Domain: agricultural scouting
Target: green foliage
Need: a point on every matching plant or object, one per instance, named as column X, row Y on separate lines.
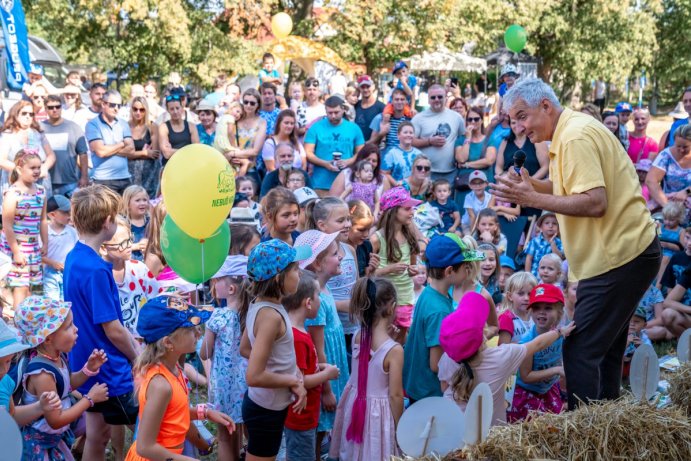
column 672, row 64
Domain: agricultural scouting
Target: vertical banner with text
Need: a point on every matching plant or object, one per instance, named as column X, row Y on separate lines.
column 16, row 43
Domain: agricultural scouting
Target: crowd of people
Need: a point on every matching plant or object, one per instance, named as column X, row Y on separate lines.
column 380, row 255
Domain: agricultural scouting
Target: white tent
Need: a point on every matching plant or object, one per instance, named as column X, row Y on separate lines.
column 445, row 60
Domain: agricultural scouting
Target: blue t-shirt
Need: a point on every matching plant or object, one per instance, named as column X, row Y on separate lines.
column 400, row 162
column 328, row 139
column 204, row 137
column 542, row 360
column 675, row 126
column 264, row 75
column 270, row 117
column 90, row 287
column 115, row 166
column 498, row 135
column 446, row 212
column 539, row 247
column 6, row 389
column 419, row 381
column 676, row 177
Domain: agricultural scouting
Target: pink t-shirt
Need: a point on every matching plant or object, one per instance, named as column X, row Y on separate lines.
column 498, row 364
column 640, row 148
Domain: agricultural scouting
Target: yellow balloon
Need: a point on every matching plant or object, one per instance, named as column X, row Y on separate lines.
column 281, row 25
column 198, row 187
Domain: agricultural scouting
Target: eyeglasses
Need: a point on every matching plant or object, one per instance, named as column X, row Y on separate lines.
column 422, row 168
column 127, row 243
column 434, row 98
column 24, row 114
column 53, row 107
column 138, row 109
column 112, row 105
column 250, row 103
column 38, row 97
column 473, row 119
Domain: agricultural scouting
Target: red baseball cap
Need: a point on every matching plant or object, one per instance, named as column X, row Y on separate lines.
column 546, row 293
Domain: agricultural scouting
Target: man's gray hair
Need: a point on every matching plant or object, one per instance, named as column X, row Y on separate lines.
column 110, row 93
column 532, row 91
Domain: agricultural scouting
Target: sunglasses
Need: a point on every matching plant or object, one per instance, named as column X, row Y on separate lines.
column 423, row 168
column 138, row 109
column 312, row 83
column 250, row 103
column 53, row 107
column 24, row 114
column 38, row 97
column 511, row 74
column 434, row 98
column 112, row 105
column 473, row 119
column 173, row 97
column 127, row 243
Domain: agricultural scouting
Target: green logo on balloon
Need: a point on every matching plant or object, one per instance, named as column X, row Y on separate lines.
column 226, row 181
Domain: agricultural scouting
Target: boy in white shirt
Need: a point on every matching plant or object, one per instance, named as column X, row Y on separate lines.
column 61, row 239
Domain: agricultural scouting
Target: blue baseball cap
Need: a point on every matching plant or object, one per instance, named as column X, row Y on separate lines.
column 623, row 107
column 398, row 66
column 35, row 68
column 505, row 261
column 268, row 259
column 448, row 250
column 162, row 315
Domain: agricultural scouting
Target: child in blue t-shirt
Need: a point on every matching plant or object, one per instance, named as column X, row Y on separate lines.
column 448, row 209
column 90, row 287
column 268, row 74
column 546, row 242
column 537, row 385
column 402, row 80
column 448, row 259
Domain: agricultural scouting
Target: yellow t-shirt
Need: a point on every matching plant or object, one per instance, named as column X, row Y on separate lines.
column 585, row 155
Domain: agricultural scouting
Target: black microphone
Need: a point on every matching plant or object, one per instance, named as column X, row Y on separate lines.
column 518, row 161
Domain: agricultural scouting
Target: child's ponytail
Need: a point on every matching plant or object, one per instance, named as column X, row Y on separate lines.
column 369, row 301
column 320, row 210
column 463, row 381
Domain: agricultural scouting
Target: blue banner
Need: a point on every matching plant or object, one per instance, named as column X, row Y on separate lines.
column 16, row 43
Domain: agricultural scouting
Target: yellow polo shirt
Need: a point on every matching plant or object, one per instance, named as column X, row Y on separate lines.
column 585, row 155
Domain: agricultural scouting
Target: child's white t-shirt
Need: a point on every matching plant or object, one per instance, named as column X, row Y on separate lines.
column 59, row 244
column 497, row 365
column 471, row 201
column 137, row 287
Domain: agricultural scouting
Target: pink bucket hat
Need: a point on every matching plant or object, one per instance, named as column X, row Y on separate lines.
column 397, row 196
column 38, row 317
column 317, row 240
column 462, row 331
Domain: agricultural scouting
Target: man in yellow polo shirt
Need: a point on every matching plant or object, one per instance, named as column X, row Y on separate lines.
column 608, row 234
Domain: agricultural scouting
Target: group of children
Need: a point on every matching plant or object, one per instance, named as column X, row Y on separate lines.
column 327, row 320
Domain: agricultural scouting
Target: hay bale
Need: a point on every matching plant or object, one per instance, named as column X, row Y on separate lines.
column 620, row 429
column 680, row 387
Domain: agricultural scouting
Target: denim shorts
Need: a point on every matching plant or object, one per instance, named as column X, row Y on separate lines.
column 264, row 427
column 300, row 445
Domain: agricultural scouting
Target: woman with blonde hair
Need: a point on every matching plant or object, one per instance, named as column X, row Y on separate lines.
column 145, row 168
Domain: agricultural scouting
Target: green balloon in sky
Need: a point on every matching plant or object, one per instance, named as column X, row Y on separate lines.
column 515, row 38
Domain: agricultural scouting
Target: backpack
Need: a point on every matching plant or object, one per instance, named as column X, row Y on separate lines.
column 28, row 364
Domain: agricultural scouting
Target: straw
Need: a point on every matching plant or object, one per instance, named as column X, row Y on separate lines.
column 613, row 430
column 680, row 387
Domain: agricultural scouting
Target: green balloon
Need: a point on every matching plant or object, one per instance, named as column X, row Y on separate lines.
column 193, row 259
column 515, row 38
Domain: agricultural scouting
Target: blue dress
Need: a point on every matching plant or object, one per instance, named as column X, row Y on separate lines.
column 334, row 349
column 228, row 367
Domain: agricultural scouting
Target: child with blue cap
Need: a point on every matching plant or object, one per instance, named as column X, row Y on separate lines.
column 169, row 327
column 448, row 261
column 273, row 380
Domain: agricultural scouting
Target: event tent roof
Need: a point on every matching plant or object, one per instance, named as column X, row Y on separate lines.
column 446, row 60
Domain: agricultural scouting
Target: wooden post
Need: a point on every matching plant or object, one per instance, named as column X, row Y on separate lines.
column 429, row 434
column 479, row 419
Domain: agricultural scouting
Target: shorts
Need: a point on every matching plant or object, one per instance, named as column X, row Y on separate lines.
column 264, row 428
column 119, row 410
column 403, row 316
column 300, row 445
column 525, row 401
